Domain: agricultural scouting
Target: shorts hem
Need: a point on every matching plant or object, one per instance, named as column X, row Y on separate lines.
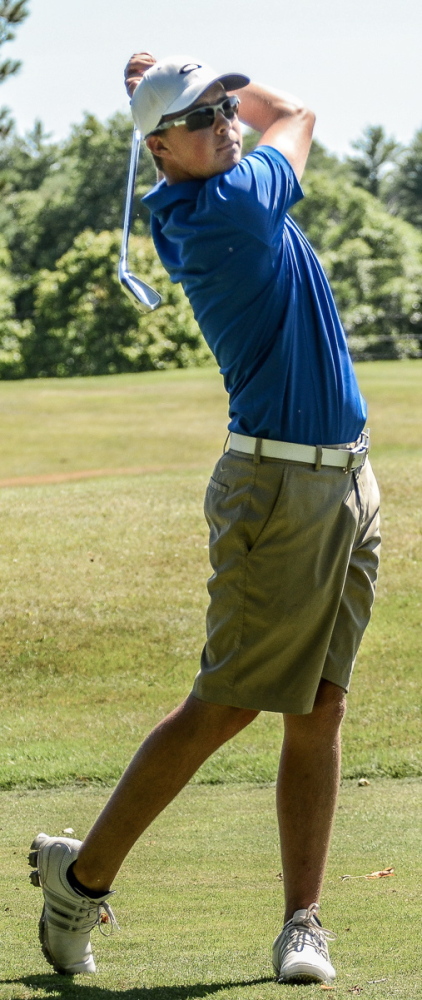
column 270, row 704
column 340, row 676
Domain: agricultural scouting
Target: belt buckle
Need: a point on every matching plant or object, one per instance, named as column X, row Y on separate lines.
column 361, row 448
column 364, row 438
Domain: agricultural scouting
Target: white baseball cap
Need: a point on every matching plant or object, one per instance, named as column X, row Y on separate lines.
column 172, row 85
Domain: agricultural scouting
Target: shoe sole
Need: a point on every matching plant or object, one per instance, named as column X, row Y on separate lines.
column 34, row 851
column 303, row 977
column 35, row 880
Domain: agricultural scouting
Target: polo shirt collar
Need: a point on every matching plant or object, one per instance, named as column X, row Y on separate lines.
column 163, row 194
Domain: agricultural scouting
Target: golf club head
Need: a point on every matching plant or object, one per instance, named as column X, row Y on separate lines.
column 145, row 298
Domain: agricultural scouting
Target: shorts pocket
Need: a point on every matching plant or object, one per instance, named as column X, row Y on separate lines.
column 215, row 485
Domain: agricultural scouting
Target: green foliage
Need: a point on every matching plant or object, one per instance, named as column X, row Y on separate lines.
column 99, row 157
column 12, row 13
column 26, row 162
column 60, row 213
column 12, row 333
column 374, row 263
column 250, row 139
column 84, row 324
column 79, row 185
column 320, row 159
column 406, row 187
column 377, row 154
column 6, row 123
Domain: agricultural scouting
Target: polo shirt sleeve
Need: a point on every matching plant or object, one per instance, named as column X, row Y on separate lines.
column 257, row 193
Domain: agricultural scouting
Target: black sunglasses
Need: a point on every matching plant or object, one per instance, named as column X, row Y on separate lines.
column 204, row 116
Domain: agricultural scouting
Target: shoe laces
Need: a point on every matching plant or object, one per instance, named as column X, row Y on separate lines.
column 106, row 918
column 306, row 931
column 312, row 921
column 80, row 918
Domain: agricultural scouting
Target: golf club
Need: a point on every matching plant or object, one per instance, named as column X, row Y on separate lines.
column 145, row 298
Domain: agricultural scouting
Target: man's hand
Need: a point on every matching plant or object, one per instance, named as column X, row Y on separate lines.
column 135, row 69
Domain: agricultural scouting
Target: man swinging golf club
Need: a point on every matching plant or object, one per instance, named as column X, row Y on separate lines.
column 292, row 505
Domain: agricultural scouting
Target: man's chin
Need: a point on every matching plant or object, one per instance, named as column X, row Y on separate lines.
column 230, row 155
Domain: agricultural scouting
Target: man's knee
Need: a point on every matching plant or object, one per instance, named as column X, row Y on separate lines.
column 330, row 703
column 239, row 718
column 224, row 719
column 324, row 720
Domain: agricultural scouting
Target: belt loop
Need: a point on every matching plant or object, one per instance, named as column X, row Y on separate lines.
column 257, row 452
column 350, row 460
column 318, row 457
column 225, row 443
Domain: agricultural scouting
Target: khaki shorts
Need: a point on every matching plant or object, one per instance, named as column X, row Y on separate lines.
column 295, row 554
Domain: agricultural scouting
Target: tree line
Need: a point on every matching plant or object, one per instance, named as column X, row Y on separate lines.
column 62, row 311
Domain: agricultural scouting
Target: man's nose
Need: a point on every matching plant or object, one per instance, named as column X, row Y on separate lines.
column 222, row 124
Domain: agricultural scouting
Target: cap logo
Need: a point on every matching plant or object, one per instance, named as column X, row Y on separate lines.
column 189, row 67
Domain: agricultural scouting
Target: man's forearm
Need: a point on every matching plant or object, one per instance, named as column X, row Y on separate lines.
column 261, row 107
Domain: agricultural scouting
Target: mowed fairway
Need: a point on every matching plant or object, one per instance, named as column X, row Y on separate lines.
column 103, row 579
column 199, row 900
column 103, row 562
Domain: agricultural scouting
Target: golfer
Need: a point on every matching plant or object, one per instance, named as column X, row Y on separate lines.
column 292, row 504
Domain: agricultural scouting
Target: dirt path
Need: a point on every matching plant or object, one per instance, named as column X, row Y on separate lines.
column 48, row 478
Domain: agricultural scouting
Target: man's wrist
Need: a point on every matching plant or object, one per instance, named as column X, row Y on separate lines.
column 138, row 64
column 132, row 83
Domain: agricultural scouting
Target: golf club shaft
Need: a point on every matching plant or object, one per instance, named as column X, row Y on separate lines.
column 145, row 298
column 130, row 190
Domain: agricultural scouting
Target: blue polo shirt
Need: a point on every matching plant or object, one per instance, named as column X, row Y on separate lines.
column 261, row 299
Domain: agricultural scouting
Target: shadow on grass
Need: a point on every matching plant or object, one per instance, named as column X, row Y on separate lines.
column 65, row 986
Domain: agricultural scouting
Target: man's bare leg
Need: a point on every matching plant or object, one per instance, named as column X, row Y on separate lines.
column 164, row 763
column 307, row 791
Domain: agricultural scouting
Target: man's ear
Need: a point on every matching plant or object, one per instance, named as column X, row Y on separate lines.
column 157, row 146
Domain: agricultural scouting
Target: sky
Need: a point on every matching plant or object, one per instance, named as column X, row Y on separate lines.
column 354, row 62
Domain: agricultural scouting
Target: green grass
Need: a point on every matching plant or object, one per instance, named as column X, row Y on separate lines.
column 199, row 902
column 54, row 426
column 101, row 624
column 103, row 596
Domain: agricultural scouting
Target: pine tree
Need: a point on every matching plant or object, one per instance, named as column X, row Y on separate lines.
column 406, row 189
column 377, row 154
column 12, row 13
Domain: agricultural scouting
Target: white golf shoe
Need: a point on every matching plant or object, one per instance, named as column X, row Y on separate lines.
column 300, row 952
column 67, row 918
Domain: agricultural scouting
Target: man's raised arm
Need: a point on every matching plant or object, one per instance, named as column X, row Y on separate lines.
column 283, row 121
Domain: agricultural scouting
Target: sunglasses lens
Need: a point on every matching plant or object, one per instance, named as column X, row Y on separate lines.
column 201, row 118
column 228, row 109
column 205, row 117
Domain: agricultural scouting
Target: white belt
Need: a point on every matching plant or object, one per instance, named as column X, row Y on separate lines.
column 346, row 458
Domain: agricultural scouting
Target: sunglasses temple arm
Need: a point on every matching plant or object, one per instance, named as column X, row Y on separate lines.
column 133, row 167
